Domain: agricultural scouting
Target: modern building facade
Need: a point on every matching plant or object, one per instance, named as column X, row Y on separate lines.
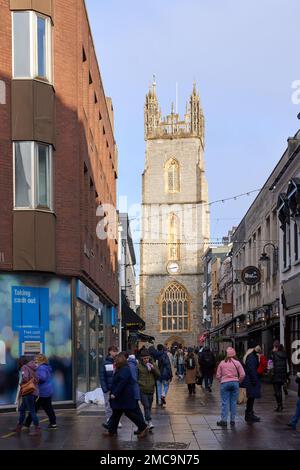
column 175, row 222
column 58, row 276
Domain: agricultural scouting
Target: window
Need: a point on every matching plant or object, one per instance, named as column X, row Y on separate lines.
column 172, row 176
column 175, row 307
column 32, row 49
column 174, row 246
column 296, row 242
column 33, row 175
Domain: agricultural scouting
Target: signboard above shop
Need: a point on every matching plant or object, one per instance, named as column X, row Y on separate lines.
column 88, row 296
column 251, row 275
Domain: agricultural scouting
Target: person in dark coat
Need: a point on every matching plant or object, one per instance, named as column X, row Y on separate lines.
column 207, row 363
column 252, row 382
column 133, row 366
column 279, row 376
column 122, row 399
column 165, row 370
column 293, row 423
column 106, row 378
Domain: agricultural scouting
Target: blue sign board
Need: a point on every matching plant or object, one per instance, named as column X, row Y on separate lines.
column 30, row 307
column 88, row 296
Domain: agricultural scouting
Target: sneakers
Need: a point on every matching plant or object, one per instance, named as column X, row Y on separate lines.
column 163, row 400
column 52, row 426
column 120, row 425
column 150, row 425
column 221, row 423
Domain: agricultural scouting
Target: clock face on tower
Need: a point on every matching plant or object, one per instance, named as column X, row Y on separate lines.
column 173, row 267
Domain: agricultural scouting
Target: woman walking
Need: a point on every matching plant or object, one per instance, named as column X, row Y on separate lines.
column 279, row 373
column 191, row 371
column 45, row 389
column 179, row 360
column 29, row 392
column 122, row 399
column 252, row 382
column 230, row 373
column 207, row 364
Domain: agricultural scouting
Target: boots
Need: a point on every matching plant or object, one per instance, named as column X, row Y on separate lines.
column 250, row 417
column 36, row 431
column 279, row 407
column 17, row 429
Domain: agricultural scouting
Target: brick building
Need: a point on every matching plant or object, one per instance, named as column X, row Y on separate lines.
column 58, row 280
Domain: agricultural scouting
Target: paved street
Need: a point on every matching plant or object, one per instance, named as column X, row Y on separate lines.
column 188, row 423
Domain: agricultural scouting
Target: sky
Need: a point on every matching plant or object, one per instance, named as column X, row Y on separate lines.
column 244, row 57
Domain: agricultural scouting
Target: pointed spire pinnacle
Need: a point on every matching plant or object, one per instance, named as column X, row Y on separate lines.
column 172, row 108
column 194, row 88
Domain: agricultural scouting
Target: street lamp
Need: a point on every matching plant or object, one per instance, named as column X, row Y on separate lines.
column 264, row 256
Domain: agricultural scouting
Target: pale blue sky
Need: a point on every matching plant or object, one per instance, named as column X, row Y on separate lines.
column 244, row 56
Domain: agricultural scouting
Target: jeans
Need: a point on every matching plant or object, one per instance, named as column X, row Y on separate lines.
column 208, row 380
column 108, row 410
column 162, row 389
column 28, row 404
column 229, row 396
column 147, row 400
column 46, row 404
column 180, row 369
column 133, row 415
column 296, row 417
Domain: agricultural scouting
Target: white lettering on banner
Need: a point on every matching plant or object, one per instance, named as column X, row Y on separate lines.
column 296, row 353
column 2, row 353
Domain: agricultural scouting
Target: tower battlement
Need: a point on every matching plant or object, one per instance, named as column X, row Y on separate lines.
column 172, row 126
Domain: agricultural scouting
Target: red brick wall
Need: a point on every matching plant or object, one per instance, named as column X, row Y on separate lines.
column 78, row 131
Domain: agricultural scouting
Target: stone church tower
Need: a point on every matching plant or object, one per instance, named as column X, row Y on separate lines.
column 175, row 222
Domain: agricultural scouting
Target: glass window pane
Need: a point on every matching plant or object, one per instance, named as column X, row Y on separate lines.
column 81, row 350
column 169, row 323
column 175, row 308
column 185, row 323
column 21, row 44
column 164, row 324
column 169, row 308
column 175, row 325
column 164, row 309
column 180, row 324
column 93, row 327
column 41, row 45
column 23, row 180
column 43, row 181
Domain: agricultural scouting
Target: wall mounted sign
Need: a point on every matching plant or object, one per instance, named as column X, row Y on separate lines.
column 251, row 275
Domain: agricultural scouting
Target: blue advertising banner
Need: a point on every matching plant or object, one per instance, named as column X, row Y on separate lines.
column 30, row 307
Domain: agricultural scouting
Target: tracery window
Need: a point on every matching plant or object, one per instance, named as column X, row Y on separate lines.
column 172, row 176
column 175, row 307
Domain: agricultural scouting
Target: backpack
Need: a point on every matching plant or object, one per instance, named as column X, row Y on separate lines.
column 190, row 363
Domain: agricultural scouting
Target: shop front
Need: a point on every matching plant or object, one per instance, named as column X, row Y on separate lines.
column 291, row 304
column 35, row 318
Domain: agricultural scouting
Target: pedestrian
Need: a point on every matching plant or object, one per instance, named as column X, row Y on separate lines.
column 29, row 392
column 252, row 382
column 122, row 399
column 165, row 371
column 179, row 361
column 293, row 423
column 191, row 371
column 148, row 374
column 230, row 374
column 45, row 391
column 207, row 364
column 106, row 378
column 133, row 365
column 279, row 373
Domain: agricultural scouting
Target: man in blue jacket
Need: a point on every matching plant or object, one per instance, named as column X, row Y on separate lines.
column 106, row 378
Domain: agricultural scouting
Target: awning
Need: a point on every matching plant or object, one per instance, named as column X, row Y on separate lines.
column 130, row 319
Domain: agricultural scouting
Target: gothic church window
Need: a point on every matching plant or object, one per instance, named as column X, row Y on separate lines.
column 175, row 307
column 172, row 174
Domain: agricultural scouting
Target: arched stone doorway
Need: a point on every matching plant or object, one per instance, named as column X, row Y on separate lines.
column 174, row 341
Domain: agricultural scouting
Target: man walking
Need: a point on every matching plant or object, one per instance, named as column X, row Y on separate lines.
column 148, row 373
column 106, row 378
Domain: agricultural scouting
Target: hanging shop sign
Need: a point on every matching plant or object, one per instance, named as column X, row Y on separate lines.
column 251, row 275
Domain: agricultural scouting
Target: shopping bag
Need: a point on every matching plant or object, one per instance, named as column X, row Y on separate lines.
column 242, row 398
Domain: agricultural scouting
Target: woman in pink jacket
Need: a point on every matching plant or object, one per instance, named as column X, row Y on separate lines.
column 230, row 373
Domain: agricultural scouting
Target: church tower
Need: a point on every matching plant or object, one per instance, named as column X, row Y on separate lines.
column 175, row 222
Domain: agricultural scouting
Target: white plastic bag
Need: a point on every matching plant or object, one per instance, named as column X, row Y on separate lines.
column 96, row 396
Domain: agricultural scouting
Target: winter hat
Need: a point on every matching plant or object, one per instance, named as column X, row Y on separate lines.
column 257, row 349
column 145, row 353
column 230, row 352
column 252, row 343
column 131, row 356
